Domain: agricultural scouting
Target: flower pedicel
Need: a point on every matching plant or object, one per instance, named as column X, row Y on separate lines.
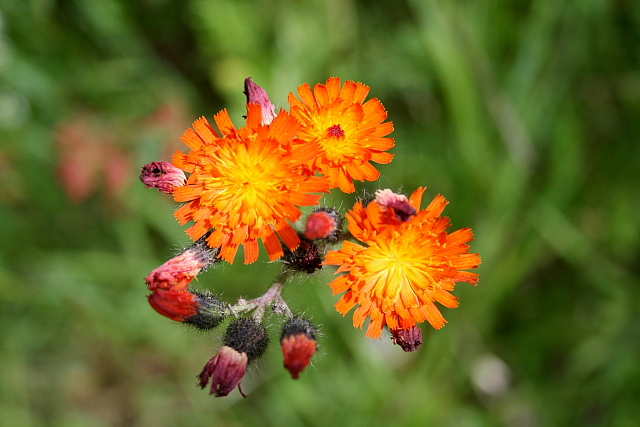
column 241, row 186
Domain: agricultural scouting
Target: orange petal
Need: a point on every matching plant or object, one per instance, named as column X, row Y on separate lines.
column 191, row 138
column 306, row 95
column 284, row 127
column 198, row 230
column 344, row 182
column 346, row 303
column 374, row 330
column 251, row 251
column 289, row 236
column 341, row 284
column 228, row 252
column 348, row 91
column 434, row 316
column 304, row 199
column 374, row 111
column 384, row 129
column 445, row 298
column 416, row 198
column 187, row 193
column 224, row 122
column 361, row 93
column 272, row 243
column 218, row 238
column 254, row 115
column 382, row 158
column 205, row 131
column 321, row 94
column 179, row 160
column 332, row 90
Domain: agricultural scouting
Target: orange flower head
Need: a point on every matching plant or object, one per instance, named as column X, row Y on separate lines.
column 246, row 184
column 407, row 264
column 350, row 131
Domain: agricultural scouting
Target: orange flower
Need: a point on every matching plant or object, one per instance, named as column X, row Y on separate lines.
column 350, row 133
column 246, row 184
column 409, row 262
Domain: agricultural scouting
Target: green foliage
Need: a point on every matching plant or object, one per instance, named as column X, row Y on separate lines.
column 523, row 114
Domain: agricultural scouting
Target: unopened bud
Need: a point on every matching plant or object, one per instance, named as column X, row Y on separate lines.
column 176, row 305
column 399, row 202
column 247, row 336
column 210, row 311
column 244, row 341
column 305, row 258
column 256, row 95
column 409, row 339
column 178, row 272
column 225, row 370
column 299, row 344
column 163, row 176
column 324, row 223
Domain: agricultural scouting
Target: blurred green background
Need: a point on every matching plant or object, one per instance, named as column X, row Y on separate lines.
column 524, row 114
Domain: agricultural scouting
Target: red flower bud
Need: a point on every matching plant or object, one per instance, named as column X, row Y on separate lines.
column 298, row 345
column 409, row 339
column 170, row 285
column 176, row 305
column 178, row 272
column 163, row 176
column 324, row 223
column 225, row 370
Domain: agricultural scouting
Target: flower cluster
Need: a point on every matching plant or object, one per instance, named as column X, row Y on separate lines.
column 240, row 186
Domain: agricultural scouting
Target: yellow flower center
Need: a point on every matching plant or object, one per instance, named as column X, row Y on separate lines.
column 396, row 264
column 244, row 183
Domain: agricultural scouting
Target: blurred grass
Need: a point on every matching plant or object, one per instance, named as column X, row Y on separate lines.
column 523, row 114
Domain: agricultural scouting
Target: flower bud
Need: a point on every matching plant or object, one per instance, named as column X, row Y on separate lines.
column 324, row 223
column 210, row 311
column 244, row 341
column 225, row 370
column 305, row 258
column 202, row 310
column 399, row 202
column 247, row 336
column 299, row 344
column 409, row 339
column 176, row 305
column 163, row 176
column 257, row 95
column 178, row 272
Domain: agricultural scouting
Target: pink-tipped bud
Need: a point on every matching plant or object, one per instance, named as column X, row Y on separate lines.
column 178, row 272
column 256, row 95
column 324, row 223
column 298, row 345
column 163, row 176
column 409, row 339
column 399, row 202
column 245, row 340
column 225, row 370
